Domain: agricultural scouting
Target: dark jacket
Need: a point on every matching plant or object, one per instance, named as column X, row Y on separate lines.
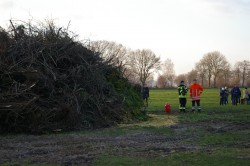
column 145, row 92
column 235, row 92
column 222, row 93
column 182, row 90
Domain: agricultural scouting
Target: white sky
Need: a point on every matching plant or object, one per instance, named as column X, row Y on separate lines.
column 181, row 30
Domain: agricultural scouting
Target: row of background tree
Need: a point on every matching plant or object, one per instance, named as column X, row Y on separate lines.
column 140, row 66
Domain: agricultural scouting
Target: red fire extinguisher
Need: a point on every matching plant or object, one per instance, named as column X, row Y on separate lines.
column 167, row 108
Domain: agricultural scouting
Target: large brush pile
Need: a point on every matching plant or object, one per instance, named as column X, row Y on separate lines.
column 49, row 81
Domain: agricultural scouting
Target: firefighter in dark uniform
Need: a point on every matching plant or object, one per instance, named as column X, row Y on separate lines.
column 182, row 90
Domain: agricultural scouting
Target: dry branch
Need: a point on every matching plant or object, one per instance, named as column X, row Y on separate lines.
column 49, row 81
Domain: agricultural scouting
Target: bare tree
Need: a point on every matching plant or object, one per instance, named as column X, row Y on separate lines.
column 143, row 62
column 226, row 72
column 206, row 60
column 237, row 72
column 167, row 68
column 111, row 52
column 161, row 81
column 244, row 67
column 131, row 76
column 219, row 62
column 181, row 77
column 201, row 69
column 215, row 63
column 248, row 78
column 191, row 76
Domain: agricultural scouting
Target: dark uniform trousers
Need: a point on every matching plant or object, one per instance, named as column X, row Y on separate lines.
column 183, row 102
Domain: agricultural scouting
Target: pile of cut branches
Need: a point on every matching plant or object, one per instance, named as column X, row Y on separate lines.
column 50, row 81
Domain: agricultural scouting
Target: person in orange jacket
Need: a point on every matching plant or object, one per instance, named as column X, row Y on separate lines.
column 195, row 91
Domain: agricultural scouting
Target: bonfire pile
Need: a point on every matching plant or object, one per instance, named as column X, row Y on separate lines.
column 49, row 81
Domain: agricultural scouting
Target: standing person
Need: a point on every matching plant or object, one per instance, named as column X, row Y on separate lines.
column 245, row 95
column 239, row 96
column 182, row 90
column 195, row 92
column 222, row 96
column 145, row 94
column 235, row 92
column 226, row 95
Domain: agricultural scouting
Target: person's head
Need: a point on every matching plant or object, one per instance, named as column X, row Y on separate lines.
column 182, row 82
column 145, row 85
column 222, row 88
column 225, row 87
column 195, row 80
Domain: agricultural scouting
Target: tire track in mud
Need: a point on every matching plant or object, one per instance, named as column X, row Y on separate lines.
column 82, row 149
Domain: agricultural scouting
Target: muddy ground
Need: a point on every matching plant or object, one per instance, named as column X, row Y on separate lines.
column 83, row 149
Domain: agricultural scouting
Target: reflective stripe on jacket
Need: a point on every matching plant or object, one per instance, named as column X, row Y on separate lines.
column 182, row 90
column 195, row 91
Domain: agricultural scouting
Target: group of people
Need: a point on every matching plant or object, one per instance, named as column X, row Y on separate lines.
column 224, row 93
column 235, row 95
column 195, row 90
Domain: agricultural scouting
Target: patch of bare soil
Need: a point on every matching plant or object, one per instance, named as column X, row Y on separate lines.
column 82, row 149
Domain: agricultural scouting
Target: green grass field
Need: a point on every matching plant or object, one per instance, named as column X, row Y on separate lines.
column 209, row 100
column 219, row 135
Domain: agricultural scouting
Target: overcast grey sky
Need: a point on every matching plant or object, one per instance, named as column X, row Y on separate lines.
column 181, row 30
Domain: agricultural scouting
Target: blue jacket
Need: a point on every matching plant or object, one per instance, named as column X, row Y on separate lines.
column 235, row 92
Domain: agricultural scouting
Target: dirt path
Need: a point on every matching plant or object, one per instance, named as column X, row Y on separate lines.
column 82, row 149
